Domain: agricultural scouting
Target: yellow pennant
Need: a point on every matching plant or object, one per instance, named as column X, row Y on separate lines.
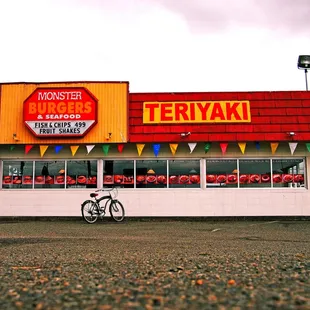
column 43, row 149
column 74, row 149
column 274, row 146
column 173, row 147
column 242, row 146
column 140, row 148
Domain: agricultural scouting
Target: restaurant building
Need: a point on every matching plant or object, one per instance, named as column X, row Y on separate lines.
column 170, row 154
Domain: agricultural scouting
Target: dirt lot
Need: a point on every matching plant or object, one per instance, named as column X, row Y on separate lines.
column 155, row 264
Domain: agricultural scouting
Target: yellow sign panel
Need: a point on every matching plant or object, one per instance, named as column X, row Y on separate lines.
column 197, row 112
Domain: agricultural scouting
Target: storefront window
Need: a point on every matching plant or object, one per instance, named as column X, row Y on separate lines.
column 222, row 173
column 254, row 173
column 49, row 174
column 288, row 172
column 81, row 174
column 118, row 172
column 17, row 174
column 184, row 173
column 151, row 173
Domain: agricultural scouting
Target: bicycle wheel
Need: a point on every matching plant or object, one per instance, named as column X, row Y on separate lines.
column 89, row 211
column 117, row 210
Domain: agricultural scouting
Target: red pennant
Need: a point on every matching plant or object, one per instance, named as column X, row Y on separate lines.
column 223, row 147
column 28, row 148
column 120, row 147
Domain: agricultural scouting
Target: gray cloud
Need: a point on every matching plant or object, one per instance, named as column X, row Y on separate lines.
column 213, row 15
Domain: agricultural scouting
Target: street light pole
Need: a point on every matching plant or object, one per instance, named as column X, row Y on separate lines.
column 304, row 64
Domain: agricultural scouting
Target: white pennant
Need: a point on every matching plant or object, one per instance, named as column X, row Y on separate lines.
column 293, row 146
column 89, row 148
column 192, row 146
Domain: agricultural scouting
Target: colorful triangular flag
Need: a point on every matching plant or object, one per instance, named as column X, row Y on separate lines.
column 223, row 147
column 140, row 148
column 257, row 145
column 28, row 148
column 43, row 149
column 120, row 147
column 12, row 147
column 192, row 146
column 58, row 148
column 242, row 146
column 173, row 147
column 156, row 148
column 207, row 147
column 106, row 148
column 89, row 148
column 292, row 146
column 274, row 146
column 308, row 146
column 74, row 149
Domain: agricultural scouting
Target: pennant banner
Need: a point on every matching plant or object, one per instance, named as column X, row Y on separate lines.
column 89, row 148
column 173, row 147
column 257, row 145
column 58, row 148
column 308, row 146
column 207, row 147
column 106, row 148
column 223, row 147
column 12, row 147
column 156, row 148
column 292, row 146
column 120, row 147
column 140, row 148
column 28, row 148
column 242, row 146
column 274, row 146
column 192, row 147
column 74, row 149
column 43, row 149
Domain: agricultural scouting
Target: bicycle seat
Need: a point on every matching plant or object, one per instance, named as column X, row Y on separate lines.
column 92, row 195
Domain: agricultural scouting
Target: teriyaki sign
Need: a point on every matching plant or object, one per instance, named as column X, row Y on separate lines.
column 60, row 112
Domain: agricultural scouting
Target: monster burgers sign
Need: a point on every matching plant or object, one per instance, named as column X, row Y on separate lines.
column 60, row 112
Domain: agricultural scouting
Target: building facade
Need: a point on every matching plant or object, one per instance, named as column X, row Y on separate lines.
column 170, row 154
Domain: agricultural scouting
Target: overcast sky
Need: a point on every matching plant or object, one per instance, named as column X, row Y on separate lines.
column 157, row 45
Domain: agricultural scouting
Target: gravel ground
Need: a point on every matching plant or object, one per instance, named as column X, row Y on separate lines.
column 170, row 264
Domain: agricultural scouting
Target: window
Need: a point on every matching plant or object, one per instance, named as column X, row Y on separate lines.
column 288, row 172
column 49, row 174
column 118, row 172
column 184, row 173
column 249, row 173
column 222, row 173
column 17, row 174
column 254, row 173
column 151, row 173
column 81, row 174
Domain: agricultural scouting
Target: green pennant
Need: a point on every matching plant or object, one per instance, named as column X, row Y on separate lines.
column 207, row 147
column 12, row 147
column 308, row 146
column 105, row 148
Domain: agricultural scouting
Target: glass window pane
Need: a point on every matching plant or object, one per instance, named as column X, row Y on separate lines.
column 151, row 174
column 49, row 174
column 81, row 174
column 221, row 173
column 118, row 172
column 184, row 173
column 288, row 172
column 254, row 173
column 17, row 174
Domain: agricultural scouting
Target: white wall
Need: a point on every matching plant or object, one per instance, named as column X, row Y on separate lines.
column 165, row 202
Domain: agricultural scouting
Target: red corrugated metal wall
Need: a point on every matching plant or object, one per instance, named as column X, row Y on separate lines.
column 274, row 114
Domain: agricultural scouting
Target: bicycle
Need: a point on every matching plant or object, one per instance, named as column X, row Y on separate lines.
column 92, row 209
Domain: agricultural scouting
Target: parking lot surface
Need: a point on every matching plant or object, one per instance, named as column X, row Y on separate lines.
column 155, row 264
